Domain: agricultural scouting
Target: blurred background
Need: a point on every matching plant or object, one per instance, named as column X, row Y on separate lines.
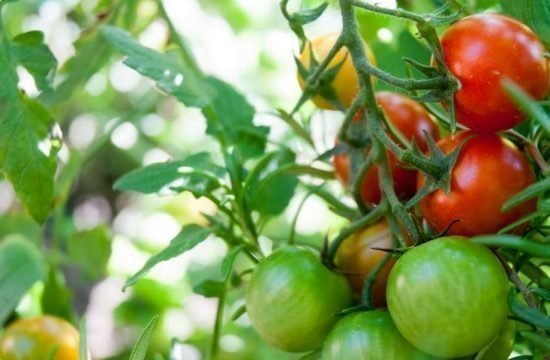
column 118, row 121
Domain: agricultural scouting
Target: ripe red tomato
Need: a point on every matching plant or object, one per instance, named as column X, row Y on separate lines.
column 356, row 259
column 489, row 170
column 412, row 120
column 480, row 51
column 346, row 82
column 292, row 299
column 37, row 338
column 369, row 335
column 447, row 297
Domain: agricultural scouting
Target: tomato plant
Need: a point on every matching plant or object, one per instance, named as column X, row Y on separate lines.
column 414, row 123
column 39, row 338
column 489, row 171
column 448, row 297
column 343, row 86
column 369, row 335
column 478, row 52
column 293, row 285
column 356, row 258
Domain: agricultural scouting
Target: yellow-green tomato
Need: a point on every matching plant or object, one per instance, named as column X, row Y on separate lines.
column 292, row 299
column 37, row 338
column 346, row 83
column 447, row 297
column 369, row 335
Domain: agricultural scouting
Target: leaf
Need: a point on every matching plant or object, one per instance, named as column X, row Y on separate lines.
column 528, row 193
column 21, row 265
column 533, row 13
column 230, row 117
column 274, row 188
column 24, row 130
column 82, row 341
column 227, row 264
column 526, row 103
column 541, row 342
column 210, row 288
column 30, row 51
column 91, row 250
column 306, row 16
column 56, row 297
column 296, row 126
column 169, row 74
column 157, row 178
column 140, row 349
column 527, row 314
column 188, row 238
column 513, row 242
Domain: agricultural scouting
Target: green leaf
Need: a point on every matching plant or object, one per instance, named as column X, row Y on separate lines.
column 56, row 297
column 533, row 13
column 306, row 16
column 188, row 238
column 140, row 349
column 210, row 288
column 24, row 129
column 230, row 117
column 195, row 172
column 83, row 341
column 541, row 342
column 21, row 265
column 91, row 250
column 527, row 104
column 528, row 193
column 296, row 126
column 170, row 74
column 271, row 193
column 514, row 242
column 29, row 50
column 527, row 314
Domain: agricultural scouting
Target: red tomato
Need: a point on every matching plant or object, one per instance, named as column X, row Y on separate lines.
column 412, row 120
column 489, row 170
column 356, row 259
column 480, row 51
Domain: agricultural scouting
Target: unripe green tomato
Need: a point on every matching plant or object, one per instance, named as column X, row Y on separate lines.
column 447, row 297
column 37, row 338
column 502, row 347
column 292, row 299
column 369, row 335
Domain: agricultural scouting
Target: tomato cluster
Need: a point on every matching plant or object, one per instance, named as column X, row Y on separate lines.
column 447, row 297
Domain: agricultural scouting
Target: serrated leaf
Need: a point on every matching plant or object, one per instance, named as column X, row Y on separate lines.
column 527, row 314
column 25, row 159
column 230, row 117
column 533, row 13
column 210, row 288
column 169, row 74
column 528, row 193
column 140, row 348
column 90, row 250
column 161, row 177
column 188, row 238
column 56, row 297
column 30, row 51
column 21, row 265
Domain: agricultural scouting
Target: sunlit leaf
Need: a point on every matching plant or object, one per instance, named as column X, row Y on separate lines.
column 140, row 348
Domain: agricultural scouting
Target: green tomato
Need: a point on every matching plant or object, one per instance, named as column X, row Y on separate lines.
column 369, row 335
column 447, row 297
column 292, row 299
column 503, row 345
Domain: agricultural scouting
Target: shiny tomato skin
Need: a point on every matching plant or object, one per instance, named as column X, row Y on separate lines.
column 36, row 338
column 447, row 297
column 292, row 299
column 483, row 49
column 356, row 259
column 412, row 120
column 346, row 82
column 489, row 170
column 369, row 335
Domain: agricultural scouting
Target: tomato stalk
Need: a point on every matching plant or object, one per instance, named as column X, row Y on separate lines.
column 370, row 279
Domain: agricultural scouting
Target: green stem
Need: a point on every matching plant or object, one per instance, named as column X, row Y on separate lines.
column 399, row 13
column 358, row 181
column 370, row 279
column 439, row 82
column 217, row 328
